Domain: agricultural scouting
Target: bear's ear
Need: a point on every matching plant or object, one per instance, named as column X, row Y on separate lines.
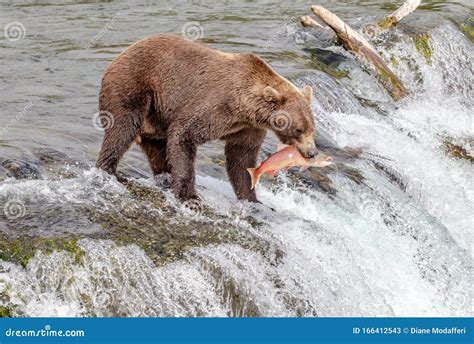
column 271, row 95
column 307, row 92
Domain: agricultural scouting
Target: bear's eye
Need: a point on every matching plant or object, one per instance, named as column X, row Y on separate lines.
column 298, row 132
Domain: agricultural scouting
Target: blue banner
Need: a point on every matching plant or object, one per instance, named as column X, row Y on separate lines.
column 239, row 330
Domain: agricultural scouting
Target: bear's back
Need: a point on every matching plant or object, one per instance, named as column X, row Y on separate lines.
column 172, row 55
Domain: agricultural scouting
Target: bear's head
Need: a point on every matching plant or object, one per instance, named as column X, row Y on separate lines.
column 291, row 118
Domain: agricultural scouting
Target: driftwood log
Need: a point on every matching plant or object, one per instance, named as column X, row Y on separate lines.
column 405, row 9
column 362, row 49
column 307, row 21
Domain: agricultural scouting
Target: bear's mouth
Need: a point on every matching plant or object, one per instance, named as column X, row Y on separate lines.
column 308, row 154
column 307, row 147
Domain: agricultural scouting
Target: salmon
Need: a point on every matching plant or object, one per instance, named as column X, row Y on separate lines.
column 284, row 158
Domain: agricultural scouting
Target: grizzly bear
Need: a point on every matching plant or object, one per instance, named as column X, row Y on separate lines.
column 170, row 95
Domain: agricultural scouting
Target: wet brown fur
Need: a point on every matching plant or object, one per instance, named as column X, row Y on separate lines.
column 171, row 95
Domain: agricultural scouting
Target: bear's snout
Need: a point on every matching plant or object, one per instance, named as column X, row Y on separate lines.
column 307, row 147
column 310, row 154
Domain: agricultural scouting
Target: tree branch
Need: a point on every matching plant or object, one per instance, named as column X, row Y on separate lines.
column 390, row 21
column 307, row 21
column 362, row 49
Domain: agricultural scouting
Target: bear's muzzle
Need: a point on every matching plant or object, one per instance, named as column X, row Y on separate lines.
column 307, row 147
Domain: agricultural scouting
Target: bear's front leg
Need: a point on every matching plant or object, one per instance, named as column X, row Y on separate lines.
column 241, row 152
column 181, row 154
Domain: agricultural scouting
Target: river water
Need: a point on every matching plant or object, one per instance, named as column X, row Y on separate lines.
column 387, row 231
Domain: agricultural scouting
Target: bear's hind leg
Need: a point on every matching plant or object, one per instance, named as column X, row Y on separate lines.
column 241, row 152
column 155, row 150
column 118, row 138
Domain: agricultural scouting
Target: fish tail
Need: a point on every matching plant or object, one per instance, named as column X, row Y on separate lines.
column 253, row 176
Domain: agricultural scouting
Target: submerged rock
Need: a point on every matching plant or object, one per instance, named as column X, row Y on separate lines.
column 21, row 169
column 457, row 151
column 164, row 231
column 144, row 216
column 328, row 62
column 20, row 250
column 468, row 28
column 315, row 177
column 3, row 174
column 422, row 44
column 51, row 156
column 59, row 164
column 5, row 312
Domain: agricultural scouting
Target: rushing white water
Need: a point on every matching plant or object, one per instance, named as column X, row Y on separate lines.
column 398, row 244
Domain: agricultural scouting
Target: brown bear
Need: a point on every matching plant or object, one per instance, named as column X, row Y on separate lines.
column 170, row 95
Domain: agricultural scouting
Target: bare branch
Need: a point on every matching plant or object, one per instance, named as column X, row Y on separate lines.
column 362, row 49
column 390, row 21
column 307, row 21
column 404, row 10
